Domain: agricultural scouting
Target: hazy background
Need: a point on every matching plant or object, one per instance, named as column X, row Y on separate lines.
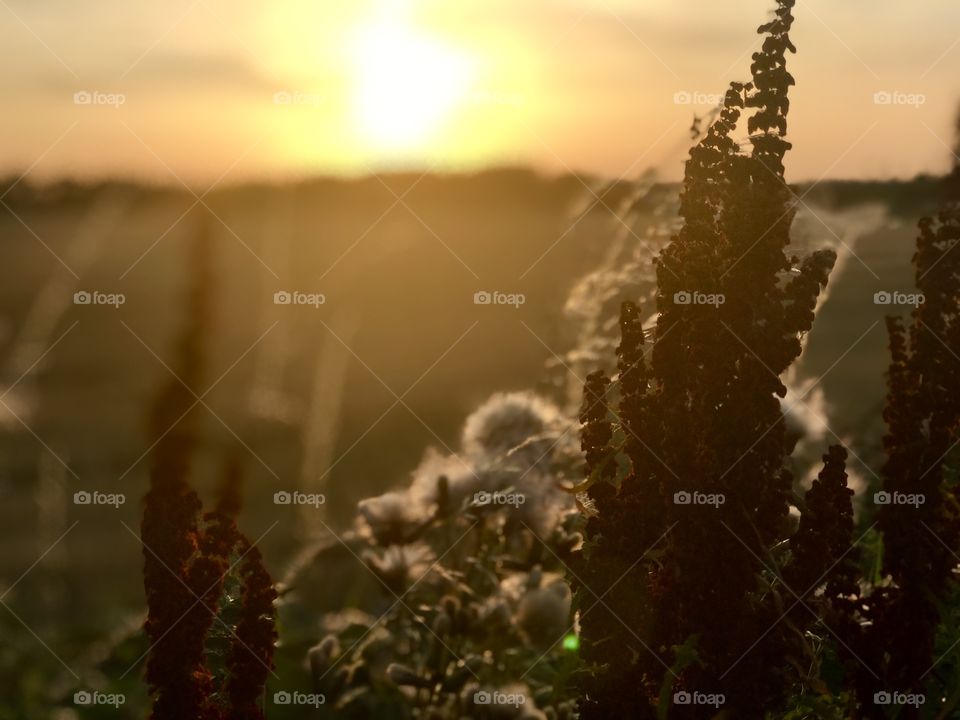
column 587, row 85
column 397, row 158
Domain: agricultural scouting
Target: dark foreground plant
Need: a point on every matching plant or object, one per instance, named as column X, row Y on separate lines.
column 687, row 565
column 901, row 632
column 695, row 598
column 190, row 558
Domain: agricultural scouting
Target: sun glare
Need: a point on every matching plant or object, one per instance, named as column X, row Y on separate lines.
column 407, row 85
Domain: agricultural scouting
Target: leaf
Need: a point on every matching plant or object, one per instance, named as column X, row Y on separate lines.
column 684, row 656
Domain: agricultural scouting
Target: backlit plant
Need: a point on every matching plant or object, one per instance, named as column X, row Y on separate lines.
column 191, row 558
column 678, row 594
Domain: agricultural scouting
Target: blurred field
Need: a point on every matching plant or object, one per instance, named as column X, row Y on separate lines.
column 345, row 397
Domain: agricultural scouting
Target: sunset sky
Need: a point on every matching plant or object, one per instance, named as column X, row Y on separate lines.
column 204, row 89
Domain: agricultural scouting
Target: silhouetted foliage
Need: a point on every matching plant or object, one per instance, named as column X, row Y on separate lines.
column 703, row 420
column 894, row 635
column 188, row 559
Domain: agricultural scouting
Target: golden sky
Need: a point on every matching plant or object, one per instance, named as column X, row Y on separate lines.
column 204, row 89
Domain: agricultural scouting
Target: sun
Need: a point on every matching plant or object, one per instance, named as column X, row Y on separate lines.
column 406, row 85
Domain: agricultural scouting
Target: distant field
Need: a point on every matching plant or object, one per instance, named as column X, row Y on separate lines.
column 340, row 368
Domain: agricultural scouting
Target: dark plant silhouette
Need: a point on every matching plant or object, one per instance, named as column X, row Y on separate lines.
column 188, row 557
column 688, row 590
column 894, row 630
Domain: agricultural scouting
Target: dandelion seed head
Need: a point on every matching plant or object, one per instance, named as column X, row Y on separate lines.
column 506, row 421
column 389, row 518
column 461, row 477
column 543, row 614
